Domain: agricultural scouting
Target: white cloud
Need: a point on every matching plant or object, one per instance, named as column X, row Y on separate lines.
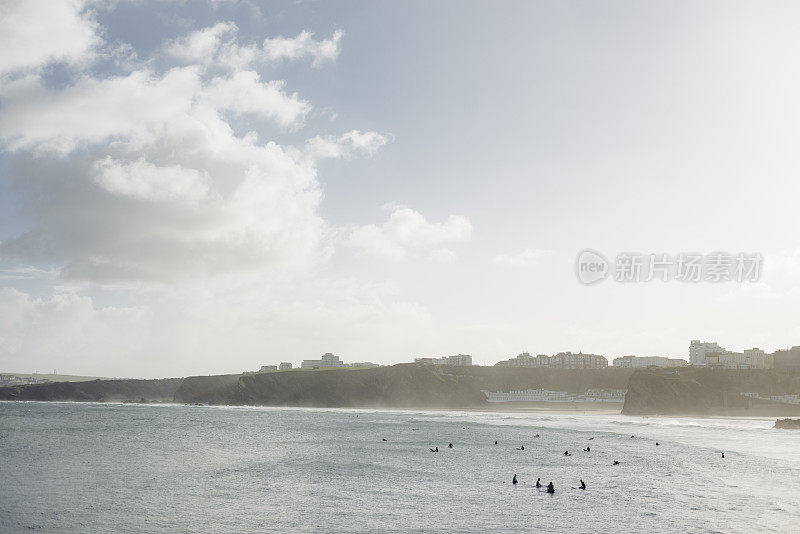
column 201, row 46
column 244, row 93
column 407, row 232
column 217, row 46
column 525, row 258
column 34, row 33
column 42, row 330
column 138, row 186
column 143, row 180
column 139, row 105
column 304, row 45
column 346, row 145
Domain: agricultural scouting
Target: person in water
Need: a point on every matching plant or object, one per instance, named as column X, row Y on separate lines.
column 521, row 448
column 566, row 453
column 538, row 482
column 435, row 450
column 514, row 480
column 723, row 455
column 616, row 462
column 450, row 446
column 495, row 442
column 583, row 485
column 588, row 449
column 550, row 488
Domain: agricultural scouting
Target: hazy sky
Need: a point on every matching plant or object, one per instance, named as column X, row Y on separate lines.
column 202, row 187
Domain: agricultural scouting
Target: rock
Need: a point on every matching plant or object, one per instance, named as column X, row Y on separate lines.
column 788, row 424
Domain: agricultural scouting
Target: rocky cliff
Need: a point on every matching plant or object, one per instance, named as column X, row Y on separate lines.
column 162, row 390
column 398, row 386
column 698, row 391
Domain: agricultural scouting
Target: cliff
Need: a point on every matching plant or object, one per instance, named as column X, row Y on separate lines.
column 215, row 389
column 788, row 424
column 698, row 391
column 398, row 386
column 162, row 390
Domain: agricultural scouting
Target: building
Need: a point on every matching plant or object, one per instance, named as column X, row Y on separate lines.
column 265, row 368
column 698, row 351
column 284, row 366
column 364, row 364
column 749, row 359
column 458, row 359
column 544, row 395
column 567, row 360
column 562, row 360
column 787, row 359
column 648, row 361
column 328, row 360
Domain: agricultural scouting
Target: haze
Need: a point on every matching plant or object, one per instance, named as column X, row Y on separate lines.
column 197, row 188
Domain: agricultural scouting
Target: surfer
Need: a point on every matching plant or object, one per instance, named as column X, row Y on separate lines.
column 514, row 480
column 583, row 485
column 538, row 482
column 550, row 488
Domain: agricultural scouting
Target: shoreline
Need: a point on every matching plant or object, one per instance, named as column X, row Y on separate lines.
column 543, row 408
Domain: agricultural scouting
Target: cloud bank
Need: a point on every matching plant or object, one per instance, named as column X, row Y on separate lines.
column 157, row 228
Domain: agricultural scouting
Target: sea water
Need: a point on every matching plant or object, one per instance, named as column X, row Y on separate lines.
column 79, row 467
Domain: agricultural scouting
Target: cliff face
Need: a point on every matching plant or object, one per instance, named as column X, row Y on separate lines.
column 400, row 386
column 96, row 391
column 411, row 386
column 709, row 392
column 216, row 389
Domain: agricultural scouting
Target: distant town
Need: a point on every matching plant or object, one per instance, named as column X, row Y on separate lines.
column 701, row 354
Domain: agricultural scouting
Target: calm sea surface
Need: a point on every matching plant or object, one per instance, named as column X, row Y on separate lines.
column 72, row 467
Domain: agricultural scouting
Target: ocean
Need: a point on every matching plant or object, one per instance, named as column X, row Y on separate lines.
column 80, row 467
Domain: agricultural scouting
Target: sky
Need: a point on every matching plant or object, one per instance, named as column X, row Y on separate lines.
column 199, row 187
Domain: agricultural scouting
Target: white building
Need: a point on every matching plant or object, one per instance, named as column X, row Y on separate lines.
column 545, row 395
column 698, row 351
column 328, row 360
column 647, row 361
column 562, row 360
column 265, row 368
column 458, row 359
column 749, row 359
column 284, row 366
